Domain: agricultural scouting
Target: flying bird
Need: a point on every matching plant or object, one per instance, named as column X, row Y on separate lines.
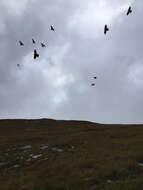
column 95, row 77
column 33, row 41
column 21, row 43
column 52, row 28
column 93, row 84
column 35, row 54
column 18, row 65
column 106, row 29
column 129, row 11
column 43, row 45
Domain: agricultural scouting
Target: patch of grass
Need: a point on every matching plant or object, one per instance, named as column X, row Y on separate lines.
column 103, row 156
column 126, row 185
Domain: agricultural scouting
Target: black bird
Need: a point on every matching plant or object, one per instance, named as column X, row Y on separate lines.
column 35, row 54
column 52, row 28
column 129, row 11
column 18, row 65
column 43, row 45
column 21, row 43
column 95, row 77
column 33, row 41
column 106, row 29
column 93, row 84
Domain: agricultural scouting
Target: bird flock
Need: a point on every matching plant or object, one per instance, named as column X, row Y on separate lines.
column 106, row 29
column 36, row 55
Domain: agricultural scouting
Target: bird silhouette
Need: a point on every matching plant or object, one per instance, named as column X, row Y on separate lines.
column 52, row 28
column 95, row 77
column 43, row 45
column 18, row 65
column 35, row 54
column 21, row 43
column 93, row 84
column 33, row 41
column 106, row 29
column 129, row 11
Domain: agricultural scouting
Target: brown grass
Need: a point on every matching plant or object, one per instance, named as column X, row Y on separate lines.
column 73, row 155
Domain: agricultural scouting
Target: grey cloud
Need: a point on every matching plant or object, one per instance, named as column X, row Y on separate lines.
column 57, row 85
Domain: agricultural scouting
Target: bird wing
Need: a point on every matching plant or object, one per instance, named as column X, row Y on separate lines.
column 35, row 53
column 129, row 10
column 52, row 28
column 105, row 29
column 20, row 42
column 42, row 45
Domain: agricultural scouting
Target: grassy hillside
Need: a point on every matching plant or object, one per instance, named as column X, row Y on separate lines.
column 70, row 155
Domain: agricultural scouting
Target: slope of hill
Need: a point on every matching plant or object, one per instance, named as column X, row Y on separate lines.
column 70, row 155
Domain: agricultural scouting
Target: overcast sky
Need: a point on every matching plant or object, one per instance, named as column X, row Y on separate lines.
column 58, row 84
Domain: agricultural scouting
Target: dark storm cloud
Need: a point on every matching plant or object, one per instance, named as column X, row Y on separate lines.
column 57, row 85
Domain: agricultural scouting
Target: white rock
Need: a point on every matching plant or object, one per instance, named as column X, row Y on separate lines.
column 26, row 147
column 109, row 181
column 16, row 166
column 37, row 156
column 44, row 147
column 57, row 149
column 140, row 164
